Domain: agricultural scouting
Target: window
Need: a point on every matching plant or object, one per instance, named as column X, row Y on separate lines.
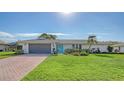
column 76, row 45
column 80, row 46
column 73, row 46
column 19, row 47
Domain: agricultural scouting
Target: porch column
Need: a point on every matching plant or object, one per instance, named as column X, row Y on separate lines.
column 53, row 45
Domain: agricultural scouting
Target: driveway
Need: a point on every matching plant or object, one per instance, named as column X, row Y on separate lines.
column 15, row 68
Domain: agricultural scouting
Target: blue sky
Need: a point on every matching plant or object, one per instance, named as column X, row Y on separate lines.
column 21, row 26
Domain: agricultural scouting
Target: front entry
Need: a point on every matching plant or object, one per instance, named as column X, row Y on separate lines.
column 60, row 48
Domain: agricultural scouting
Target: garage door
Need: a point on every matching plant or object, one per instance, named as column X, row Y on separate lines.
column 40, row 48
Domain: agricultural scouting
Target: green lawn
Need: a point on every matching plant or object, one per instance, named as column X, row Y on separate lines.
column 92, row 67
column 6, row 54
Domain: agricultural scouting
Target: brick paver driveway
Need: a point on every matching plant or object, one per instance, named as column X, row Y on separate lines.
column 15, row 68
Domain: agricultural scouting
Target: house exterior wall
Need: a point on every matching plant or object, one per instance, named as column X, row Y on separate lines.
column 103, row 48
column 25, row 47
column 114, row 48
column 53, row 45
column 121, row 49
column 117, row 47
column 85, row 46
column 67, row 46
column 2, row 47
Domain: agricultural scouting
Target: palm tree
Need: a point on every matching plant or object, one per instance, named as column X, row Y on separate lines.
column 91, row 40
column 53, row 37
column 44, row 35
column 47, row 36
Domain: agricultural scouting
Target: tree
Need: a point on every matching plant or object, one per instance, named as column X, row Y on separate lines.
column 47, row 36
column 53, row 37
column 110, row 48
column 91, row 40
column 44, row 35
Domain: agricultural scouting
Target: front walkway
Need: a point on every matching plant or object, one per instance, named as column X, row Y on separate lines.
column 15, row 68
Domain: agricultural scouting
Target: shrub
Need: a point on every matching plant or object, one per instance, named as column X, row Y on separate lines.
column 76, row 50
column 76, row 54
column 110, row 48
column 85, row 50
column 19, row 52
column 68, row 51
column 54, row 54
column 6, row 53
column 84, row 53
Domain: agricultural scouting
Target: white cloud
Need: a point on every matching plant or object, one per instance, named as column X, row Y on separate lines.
column 27, row 34
column 37, row 34
column 5, row 34
column 93, row 33
column 58, row 34
column 14, row 37
column 7, row 37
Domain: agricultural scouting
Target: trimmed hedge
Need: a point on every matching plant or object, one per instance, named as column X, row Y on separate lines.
column 19, row 52
column 6, row 53
column 84, row 53
column 77, row 52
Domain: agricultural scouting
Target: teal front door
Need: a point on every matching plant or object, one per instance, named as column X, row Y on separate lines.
column 60, row 48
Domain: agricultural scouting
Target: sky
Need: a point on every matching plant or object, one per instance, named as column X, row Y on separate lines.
column 73, row 25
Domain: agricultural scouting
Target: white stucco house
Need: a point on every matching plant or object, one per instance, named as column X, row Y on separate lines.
column 3, row 46
column 47, row 46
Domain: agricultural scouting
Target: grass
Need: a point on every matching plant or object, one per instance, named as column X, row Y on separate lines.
column 92, row 67
column 6, row 54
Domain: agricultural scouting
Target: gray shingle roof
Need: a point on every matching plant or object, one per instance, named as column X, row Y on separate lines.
column 68, row 41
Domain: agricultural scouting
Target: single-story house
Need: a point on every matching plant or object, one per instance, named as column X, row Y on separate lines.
column 13, row 46
column 3, row 46
column 47, row 46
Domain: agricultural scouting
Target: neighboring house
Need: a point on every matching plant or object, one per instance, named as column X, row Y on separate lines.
column 14, row 47
column 119, row 47
column 47, row 46
column 3, row 46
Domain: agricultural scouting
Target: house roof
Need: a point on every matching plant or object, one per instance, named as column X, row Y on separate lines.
column 63, row 41
column 119, row 45
column 68, row 41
